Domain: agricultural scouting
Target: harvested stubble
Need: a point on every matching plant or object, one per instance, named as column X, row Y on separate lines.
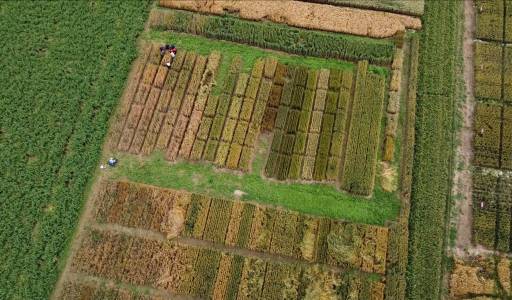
column 91, row 289
column 407, row 7
column 480, row 276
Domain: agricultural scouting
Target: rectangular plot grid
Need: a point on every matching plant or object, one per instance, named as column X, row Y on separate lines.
column 322, row 124
column 492, row 203
column 493, row 126
column 173, row 110
column 179, row 243
column 164, row 105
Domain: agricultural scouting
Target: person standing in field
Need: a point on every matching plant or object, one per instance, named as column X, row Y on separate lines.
column 172, row 51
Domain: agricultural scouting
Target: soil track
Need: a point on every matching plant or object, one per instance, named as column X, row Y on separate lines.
column 462, row 178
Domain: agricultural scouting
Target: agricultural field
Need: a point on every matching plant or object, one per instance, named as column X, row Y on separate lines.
column 59, row 86
column 300, row 14
column 406, row 7
column 481, row 269
column 282, row 171
column 290, row 150
column 481, row 277
column 177, row 111
column 494, row 21
column 212, row 104
column 440, row 56
column 492, row 191
column 492, row 128
column 182, row 243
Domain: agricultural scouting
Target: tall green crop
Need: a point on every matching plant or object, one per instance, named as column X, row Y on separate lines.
column 64, row 65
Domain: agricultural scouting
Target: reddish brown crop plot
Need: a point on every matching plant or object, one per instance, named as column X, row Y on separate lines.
column 173, row 110
column 163, row 106
column 179, row 243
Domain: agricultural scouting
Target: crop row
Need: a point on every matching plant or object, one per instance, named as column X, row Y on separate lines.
column 163, row 107
column 492, row 203
column 182, row 269
column 232, row 121
column 54, row 119
column 493, row 20
column 399, row 231
column 370, row 23
column 493, row 136
column 276, row 92
column 493, row 72
column 313, row 124
column 434, row 144
column 90, row 289
column 487, row 138
column 363, row 139
column 309, row 125
column 398, row 6
column 393, row 106
column 244, row 225
column 275, row 36
column 173, row 109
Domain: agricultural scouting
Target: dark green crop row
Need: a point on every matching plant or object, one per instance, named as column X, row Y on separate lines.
column 491, row 209
column 56, row 97
column 432, row 171
column 275, row 36
column 363, row 139
column 409, row 7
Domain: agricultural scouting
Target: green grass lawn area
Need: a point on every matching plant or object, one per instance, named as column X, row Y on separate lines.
column 316, row 199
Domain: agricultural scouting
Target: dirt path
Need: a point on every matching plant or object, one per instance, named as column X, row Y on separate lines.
column 462, row 180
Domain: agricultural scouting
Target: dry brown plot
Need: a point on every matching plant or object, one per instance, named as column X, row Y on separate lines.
column 307, row 15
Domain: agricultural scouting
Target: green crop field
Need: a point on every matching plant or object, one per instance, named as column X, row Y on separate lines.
column 412, row 7
column 276, row 155
column 432, row 172
column 64, row 66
